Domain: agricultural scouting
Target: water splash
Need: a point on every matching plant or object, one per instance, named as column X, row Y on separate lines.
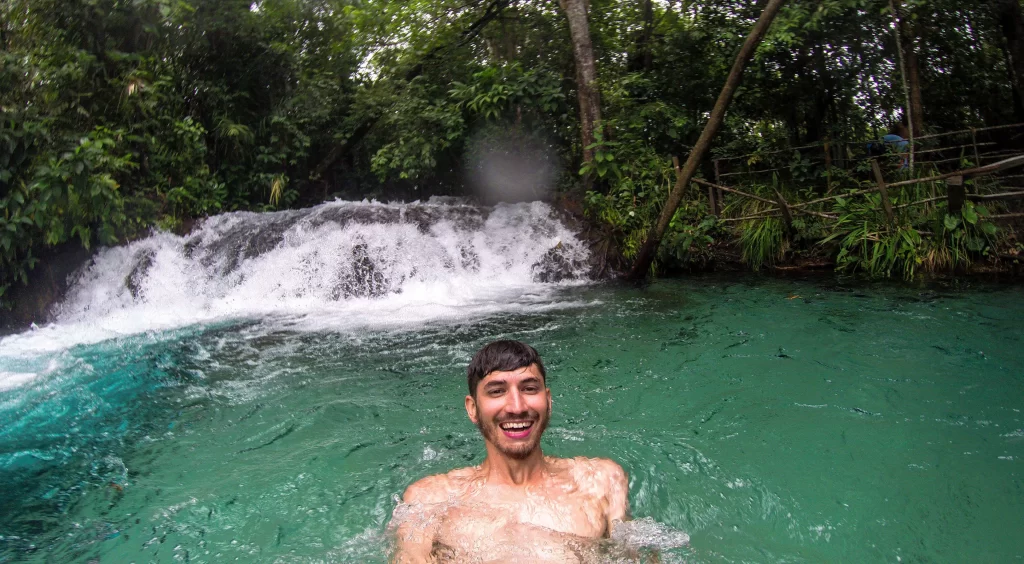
column 501, row 537
column 650, row 534
column 338, row 266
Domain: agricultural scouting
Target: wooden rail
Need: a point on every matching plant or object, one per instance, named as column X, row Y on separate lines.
column 973, row 132
column 955, row 194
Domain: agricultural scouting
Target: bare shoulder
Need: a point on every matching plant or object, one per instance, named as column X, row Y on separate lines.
column 615, row 479
column 604, row 470
column 432, row 489
column 611, row 482
column 609, row 468
column 439, row 488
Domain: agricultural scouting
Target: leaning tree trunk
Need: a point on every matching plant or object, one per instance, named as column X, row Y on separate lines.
column 586, row 72
column 645, row 257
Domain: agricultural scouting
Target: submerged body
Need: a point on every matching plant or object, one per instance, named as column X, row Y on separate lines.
column 463, row 516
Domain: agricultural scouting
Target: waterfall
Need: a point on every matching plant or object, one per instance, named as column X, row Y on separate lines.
column 336, row 266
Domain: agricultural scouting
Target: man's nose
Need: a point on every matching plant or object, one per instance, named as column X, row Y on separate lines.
column 515, row 403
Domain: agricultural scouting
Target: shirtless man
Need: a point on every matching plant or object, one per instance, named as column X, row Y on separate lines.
column 518, row 505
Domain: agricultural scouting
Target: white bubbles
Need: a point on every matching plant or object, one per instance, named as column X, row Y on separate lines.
column 650, row 534
column 9, row 380
column 340, row 266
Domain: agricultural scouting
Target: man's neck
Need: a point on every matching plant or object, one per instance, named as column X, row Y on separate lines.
column 500, row 469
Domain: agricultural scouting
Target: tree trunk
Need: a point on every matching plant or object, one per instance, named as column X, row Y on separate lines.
column 908, row 45
column 645, row 257
column 586, row 72
column 1018, row 94
column 914, row 78
column 900, row 55
column 644, row 56
column 1008, row 14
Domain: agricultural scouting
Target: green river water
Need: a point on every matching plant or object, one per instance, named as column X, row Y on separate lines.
column 771, row 420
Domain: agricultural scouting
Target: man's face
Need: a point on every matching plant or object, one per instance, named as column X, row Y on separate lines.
column 511, row 409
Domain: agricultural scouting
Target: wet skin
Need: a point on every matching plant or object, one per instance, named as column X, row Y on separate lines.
column 518, row 505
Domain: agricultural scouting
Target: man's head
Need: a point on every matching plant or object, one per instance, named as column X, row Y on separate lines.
column 508, row 398
column 501, row 355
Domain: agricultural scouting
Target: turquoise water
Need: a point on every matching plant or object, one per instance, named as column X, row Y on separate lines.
column 848, row 423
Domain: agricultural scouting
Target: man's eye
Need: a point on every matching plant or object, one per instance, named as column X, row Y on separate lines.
column 530, row 389
column 495, row 392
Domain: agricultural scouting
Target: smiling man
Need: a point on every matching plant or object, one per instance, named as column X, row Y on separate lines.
column 518, row 505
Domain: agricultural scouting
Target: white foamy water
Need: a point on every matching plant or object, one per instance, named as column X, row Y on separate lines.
column 10, row 380
column 338, row 266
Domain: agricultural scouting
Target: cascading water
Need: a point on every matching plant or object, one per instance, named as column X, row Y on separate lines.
column 78, row 394
column 340, row 265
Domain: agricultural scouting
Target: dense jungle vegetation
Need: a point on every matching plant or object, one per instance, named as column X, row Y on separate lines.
column 123, row 115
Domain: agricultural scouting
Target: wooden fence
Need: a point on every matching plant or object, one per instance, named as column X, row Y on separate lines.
column 936, row 153
column 989, row 154
column 956, row 193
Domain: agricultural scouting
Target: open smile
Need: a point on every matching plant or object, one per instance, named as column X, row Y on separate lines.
column 516, row 429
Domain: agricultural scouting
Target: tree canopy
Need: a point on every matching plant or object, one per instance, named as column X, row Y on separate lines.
column 121, row 115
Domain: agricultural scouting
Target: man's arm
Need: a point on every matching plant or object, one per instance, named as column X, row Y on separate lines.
column 618, row 505
column 616, row 492
column 418, row 517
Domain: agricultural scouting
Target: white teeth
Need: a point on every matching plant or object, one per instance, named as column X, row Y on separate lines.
column 517, row 425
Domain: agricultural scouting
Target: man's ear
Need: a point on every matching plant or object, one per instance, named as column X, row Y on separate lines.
column 548, row 391
column 471, row 409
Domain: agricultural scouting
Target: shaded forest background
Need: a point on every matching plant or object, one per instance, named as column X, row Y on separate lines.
column 123, row 115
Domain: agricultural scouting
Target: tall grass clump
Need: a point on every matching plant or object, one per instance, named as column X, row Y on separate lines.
column 763, row 242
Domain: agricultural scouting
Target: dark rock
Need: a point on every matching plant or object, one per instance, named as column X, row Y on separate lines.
column 470, row 259
column 364, row 280
column 556, row 266
column 138, row 274
column 248, row 240
column 47, row 284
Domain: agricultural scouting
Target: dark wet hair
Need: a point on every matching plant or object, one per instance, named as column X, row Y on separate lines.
column 501, row 355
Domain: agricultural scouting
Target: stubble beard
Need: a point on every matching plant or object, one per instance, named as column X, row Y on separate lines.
column 518, row 450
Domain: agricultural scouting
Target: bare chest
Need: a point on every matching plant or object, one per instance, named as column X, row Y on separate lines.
column 499, row 516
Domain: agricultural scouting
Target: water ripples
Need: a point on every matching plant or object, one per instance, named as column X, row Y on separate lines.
column 765, row 429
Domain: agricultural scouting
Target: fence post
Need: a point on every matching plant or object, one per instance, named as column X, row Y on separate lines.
column 974, row 141
column 718, row 200
column 787, row 215
column 886, row 204
column 828, row 167
column 955, row 194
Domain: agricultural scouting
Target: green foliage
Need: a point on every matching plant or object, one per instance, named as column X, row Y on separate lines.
column 603, row 164
column 195, row 107
column 689, row 239
column 73, row 195
column 422, row 126
column 504, row 92
column 959, row 239
column 118, row 116
column 763, row 241
column 632, row 205
column 867, row 243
